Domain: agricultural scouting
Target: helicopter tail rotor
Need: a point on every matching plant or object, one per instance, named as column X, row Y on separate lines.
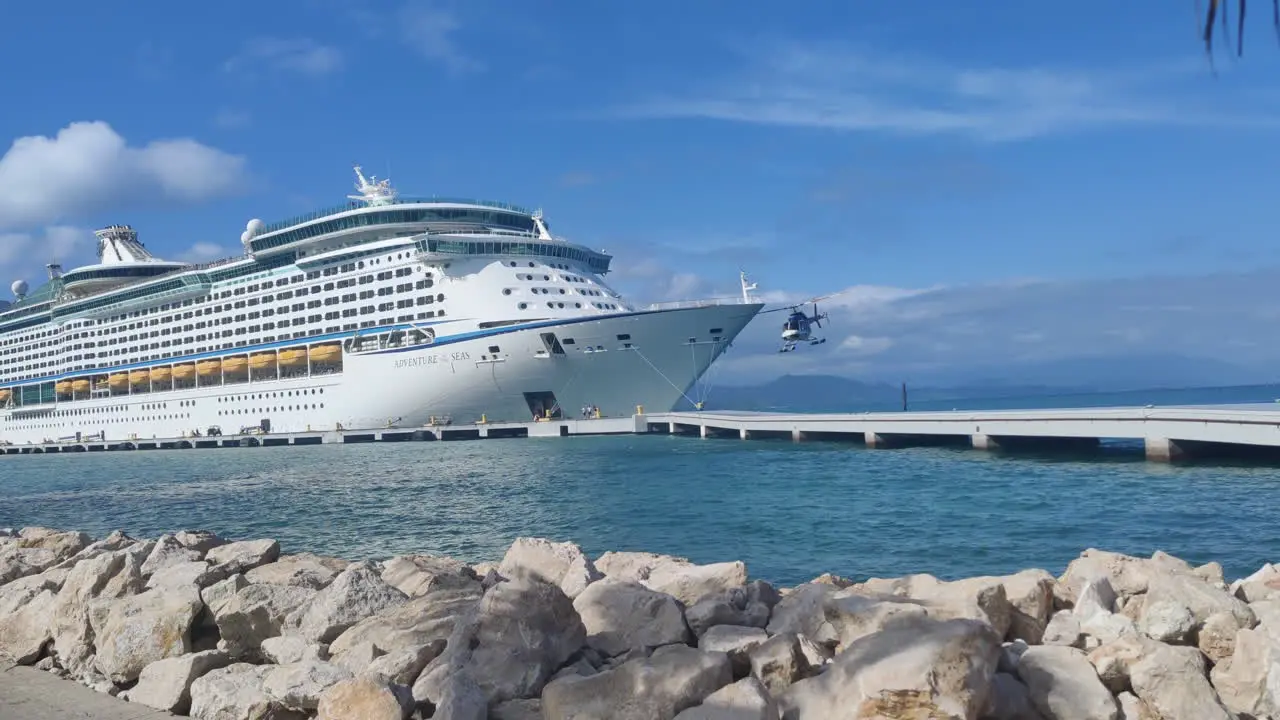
column 817, row 317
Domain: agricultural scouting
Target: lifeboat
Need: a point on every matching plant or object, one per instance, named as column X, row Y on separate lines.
column 80, row 385
column 326, row 353
column 262, row 361
column 139, row 377
column 119, row 381
column 182, row 372
column 212, row 366
column 293, row 357
column 234, row 364
column 161, row 374
column 63, row 387
column 4, row 394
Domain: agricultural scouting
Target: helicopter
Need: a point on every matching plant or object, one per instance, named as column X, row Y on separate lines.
column 796, row 328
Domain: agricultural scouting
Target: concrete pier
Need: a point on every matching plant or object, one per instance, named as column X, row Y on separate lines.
column 1167, row 434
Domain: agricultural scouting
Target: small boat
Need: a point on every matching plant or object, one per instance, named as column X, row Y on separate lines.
column 139, row 377
column 63, row 387
column 119, row 381
column 161, row 374
column 234, row 364
column 5, row 393
column 262, row 361
column 293, row 357
column 81, row 385
column 212, row 366
column 182, row 372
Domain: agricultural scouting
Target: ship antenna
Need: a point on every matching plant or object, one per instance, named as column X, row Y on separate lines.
column 372, row 190
column 746, row 289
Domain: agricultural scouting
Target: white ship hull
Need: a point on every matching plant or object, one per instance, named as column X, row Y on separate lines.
column 458, row 378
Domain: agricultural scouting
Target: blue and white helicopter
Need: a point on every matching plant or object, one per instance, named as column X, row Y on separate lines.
column 796, row 329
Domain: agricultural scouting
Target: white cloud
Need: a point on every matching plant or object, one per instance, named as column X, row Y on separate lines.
column 88, row 166
column 296, row 55
column 202, row 252
column 429, row 29
column 23, row 255
column 841, row 89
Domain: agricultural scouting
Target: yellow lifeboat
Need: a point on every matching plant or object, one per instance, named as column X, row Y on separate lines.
column 4, row 394
column 161, row 374
column 262, row 361
column 209, row 367
column 182, row 372
column 139, row 377
column 326, row 353
column 293, row 357
column 80, row 385
column 119, row 381
column 63, row 387
column 234, row 364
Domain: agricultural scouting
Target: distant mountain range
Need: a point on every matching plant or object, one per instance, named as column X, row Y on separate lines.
column 1136, row 377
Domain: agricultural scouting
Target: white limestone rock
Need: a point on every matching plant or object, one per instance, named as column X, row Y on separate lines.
column 167, row 552
column 737, row 642
column 355, row 594
column 403, row 667
column 558, row 563
column 749, row 605
column 288, row 649
column 166, row 684
column 1248, row 682
column 240, row 557
column 1172, row 682
column 143, row 628
column 418, row 622
column 358, row 657
column 202, row 541
column 745, row 699
column 235, row 693
column 1199, row 597
column 674, row 678
column 17, row 562
column 25, row 633
column 196, row 573
column 300, row 685
column 255, row 613
column 620, row 615
column 1063, row 685
column 517, row 710
column 778, row 662
column 21, row 591
column 1063, row 629
column 417, row 575
column 802, row 611
column 1095, row 597
column 365, row 698
column 1167, row 621
column 69, row 625
column 1217, row 637
column 1114, row 660
column 920, row 668
column 302, row 570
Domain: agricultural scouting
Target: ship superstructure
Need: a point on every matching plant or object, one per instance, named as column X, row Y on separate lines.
column 384, row 312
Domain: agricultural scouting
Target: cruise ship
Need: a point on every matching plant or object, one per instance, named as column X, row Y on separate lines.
column 386, row 312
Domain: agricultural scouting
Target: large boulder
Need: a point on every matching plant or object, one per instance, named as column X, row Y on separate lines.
column 300, row 684
column 675, row 576
column 1199, row 597
column 17, row 562
column 1009, row 699
column 736, row 641
column 921, row 668
column 1167, row 621
column 1172, row 682
column 1261, row 585
column 355, row 594
column 240, row 557
column 144, row 628
column 69, row 625
column 286, row 649
column 202, row 541
column 749, row 605
column 168, row 551
column 417, row 575
column 255, row 613
column 560, row 564
column 674, row 678
column 803, row 611
column 63, row 543
column 166, row 684
column 303, row 570
column 979, row 598
column 620, row 615
column 1244, row 681
column 746, row 699
column 1113, row 661
column 25, row 633
column 1030, row 596
column 511, row 643
column 780, row 661
column 420, row 621
column 365, row 698
column 403, row 667
column 235, row 693
column 1063, row 685
column 21, row 591
column 1126, row 574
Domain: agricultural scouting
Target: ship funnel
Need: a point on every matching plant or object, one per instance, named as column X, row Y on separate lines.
column 55, row 270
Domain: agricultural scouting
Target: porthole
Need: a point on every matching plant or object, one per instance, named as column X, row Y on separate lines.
column 523, row 306
column 506, row 291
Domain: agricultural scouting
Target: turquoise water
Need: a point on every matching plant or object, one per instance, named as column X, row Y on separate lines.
column 791, row 511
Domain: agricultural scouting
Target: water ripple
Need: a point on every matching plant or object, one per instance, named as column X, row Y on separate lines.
column 790, row 511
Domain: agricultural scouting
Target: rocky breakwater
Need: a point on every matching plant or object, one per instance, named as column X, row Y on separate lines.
column 197, row 625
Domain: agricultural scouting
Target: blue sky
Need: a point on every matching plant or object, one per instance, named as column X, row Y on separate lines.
column 1019, row 164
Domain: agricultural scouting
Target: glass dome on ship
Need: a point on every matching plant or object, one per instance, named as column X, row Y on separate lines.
column 387, row 311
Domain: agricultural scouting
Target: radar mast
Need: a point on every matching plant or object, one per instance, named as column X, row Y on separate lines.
column 373, row 192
